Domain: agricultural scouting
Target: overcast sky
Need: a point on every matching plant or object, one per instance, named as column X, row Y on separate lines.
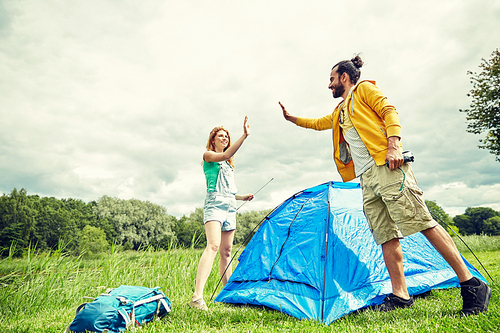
column 117, row 98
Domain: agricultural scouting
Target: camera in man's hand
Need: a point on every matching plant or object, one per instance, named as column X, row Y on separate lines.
column 407, row 156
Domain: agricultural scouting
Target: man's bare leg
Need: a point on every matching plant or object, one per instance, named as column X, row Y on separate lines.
column 443, row 243
column 393, row 257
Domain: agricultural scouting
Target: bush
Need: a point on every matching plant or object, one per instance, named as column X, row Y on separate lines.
column 93, row 240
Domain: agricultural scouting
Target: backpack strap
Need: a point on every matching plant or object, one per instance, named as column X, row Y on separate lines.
column 165, row 305
column 148, row 300
column 128, row 321
column 78, row 309
column 124, row 300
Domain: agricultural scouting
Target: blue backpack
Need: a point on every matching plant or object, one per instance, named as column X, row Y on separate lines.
column 125, row 307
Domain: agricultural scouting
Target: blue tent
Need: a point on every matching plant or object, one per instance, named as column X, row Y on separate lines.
column 314, row 258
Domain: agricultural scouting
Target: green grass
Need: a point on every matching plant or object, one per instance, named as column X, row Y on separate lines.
column 40, row 292
column 477, row 243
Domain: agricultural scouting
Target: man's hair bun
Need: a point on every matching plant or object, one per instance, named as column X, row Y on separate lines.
column 358, row 63
column 351, row 67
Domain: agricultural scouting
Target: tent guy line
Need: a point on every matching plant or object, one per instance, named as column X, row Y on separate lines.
column 480, row 263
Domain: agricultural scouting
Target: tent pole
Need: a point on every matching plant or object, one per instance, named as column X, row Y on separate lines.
column 326, row 253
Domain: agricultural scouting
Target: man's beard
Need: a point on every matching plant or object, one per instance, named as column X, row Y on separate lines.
column 338, row 90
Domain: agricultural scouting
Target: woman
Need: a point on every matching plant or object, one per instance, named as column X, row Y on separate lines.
column 219, row 212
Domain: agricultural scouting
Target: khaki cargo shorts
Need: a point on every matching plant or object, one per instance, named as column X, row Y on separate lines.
column 393, row 211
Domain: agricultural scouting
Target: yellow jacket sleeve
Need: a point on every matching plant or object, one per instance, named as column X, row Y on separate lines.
column 318, row 124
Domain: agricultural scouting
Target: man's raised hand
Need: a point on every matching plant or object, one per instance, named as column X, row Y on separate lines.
column 287, row 115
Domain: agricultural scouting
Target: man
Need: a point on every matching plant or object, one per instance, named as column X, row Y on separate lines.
column 366, row 138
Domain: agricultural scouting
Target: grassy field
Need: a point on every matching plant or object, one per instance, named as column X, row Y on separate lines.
column 39, row 293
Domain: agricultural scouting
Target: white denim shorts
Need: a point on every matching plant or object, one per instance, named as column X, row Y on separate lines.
column 222, row 208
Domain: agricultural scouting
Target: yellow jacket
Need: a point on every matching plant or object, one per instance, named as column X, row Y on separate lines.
column 372, row 116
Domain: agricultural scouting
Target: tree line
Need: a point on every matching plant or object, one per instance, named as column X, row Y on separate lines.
column 474, row 221
column 48, row 223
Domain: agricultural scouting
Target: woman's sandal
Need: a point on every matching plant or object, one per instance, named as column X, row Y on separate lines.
column 198, row 304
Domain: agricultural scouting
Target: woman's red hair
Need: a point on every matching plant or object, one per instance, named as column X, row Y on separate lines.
column 211, row 139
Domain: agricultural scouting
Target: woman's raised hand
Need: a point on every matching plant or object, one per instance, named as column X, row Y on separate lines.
column 246, row 126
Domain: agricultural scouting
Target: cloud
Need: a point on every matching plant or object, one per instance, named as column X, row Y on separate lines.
column 117, row 98
column 455, row 196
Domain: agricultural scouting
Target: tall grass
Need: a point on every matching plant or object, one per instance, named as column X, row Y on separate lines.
column 477, row 243
column 39, row 293
column 36, row 280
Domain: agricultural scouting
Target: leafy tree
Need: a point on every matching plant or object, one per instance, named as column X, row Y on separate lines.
column 93, row 240
column 104, row 223
column 53, row 224
column 44, row 222
column 190, row 231
column 484, row 112
column 61, row 220
column 168, row 238
column 441, row 216
column 17, row 219
column 492, row 226
column 464, row 225
column 137, row 222
column 247, row 221
column 473, row 220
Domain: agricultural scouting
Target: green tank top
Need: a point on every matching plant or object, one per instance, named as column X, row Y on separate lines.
column 211, row 170
column 219, row 177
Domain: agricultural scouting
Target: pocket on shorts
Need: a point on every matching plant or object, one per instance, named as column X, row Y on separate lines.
column 417, row 196
column 399, row 203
